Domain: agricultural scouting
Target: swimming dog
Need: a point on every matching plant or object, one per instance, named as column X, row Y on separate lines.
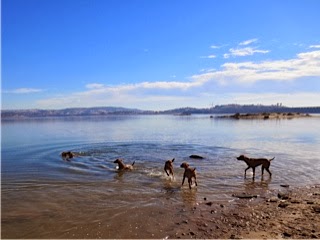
column 254, row 162
column 67, row 155
column 189, row 173
column 123, row 166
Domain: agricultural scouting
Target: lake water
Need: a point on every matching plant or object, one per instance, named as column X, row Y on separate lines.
column 44, row 196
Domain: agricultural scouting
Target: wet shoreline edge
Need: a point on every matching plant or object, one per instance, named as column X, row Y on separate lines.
column 287, row 213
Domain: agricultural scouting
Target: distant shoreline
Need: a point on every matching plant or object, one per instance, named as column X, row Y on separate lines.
column 105, row 111
column 266, row 116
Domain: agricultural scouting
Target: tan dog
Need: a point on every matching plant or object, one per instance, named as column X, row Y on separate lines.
column 67, row 155
column 123, row 166
column 254, row 162
column 168, row 167
column 189, row 173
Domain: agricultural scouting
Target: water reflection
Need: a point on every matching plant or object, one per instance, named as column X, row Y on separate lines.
column 257, row 186
column 189, row 196
column 31, row 155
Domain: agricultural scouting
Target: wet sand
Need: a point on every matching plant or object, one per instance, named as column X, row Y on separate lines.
column 288, row 213
column 285, row 213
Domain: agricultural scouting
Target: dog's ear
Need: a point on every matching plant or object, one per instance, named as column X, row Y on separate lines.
column 194, row 170
column 117, row 160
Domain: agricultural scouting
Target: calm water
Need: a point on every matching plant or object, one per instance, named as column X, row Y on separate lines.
column 46, row 197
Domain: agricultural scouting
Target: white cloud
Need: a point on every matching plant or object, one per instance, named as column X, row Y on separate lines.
column 23, row 90
column 94, row 85
column 304, row 65
column 164, row 102
column 247, row 42
column 215, row 46
column 314, row 46
column 212, row 56
column 241, row 52
column 226, row 55
column 171, row 94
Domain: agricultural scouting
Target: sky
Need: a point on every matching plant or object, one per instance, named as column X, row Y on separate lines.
column 159, row 54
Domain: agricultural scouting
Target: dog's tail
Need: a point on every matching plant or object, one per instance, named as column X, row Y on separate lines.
column 172, row 160
column 271, row 159
column 133, row 163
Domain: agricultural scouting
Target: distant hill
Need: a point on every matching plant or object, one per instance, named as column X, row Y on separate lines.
column 235, row 108
column 94, row 111
column 102, row 111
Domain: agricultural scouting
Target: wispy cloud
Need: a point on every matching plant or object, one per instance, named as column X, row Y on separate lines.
column 241, row 52
column 247, row 42
column 180, row 93
column 304, row 65
column 244, row 49
column 23, row 90
column 209, row 56
column 314, row 46
column 215, row 46
column 94, row 85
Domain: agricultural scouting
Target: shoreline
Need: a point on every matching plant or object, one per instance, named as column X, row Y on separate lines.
column 268, row 115
column 284, row 213
column 288, row 213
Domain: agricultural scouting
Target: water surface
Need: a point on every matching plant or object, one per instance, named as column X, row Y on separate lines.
column 44, row 196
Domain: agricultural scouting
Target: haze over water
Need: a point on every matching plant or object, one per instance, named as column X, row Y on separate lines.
column 44, row 196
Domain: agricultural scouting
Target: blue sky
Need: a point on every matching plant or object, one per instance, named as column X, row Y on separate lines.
column 159, row 54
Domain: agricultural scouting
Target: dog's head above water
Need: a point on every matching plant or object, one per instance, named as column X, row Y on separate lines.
column 118, row 160
column 184, row 165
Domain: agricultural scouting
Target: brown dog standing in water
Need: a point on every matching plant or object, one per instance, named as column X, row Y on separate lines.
column 168, row 167
column 255, row 162
column 189, row 173
column 123, row 166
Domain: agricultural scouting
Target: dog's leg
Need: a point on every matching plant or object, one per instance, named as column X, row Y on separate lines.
column 184, row 176
column 166, row 172
column 190, row 182
column 269, row 171
column 254, row 172
column 195, row 181
column 262, row 169
column 245, row 171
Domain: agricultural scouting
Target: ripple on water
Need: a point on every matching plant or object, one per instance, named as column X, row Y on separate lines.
column 38, row 185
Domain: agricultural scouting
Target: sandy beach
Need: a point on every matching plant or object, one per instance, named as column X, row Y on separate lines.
column 288, row 213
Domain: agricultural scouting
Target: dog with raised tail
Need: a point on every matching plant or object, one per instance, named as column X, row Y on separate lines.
column 123, row 166
column 255, row 162
column 189, row 173
column 168, row 167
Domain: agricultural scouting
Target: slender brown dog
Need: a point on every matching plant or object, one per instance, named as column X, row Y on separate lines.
column 123, row 166
column 67, row 155
column 254, row 162
column 168, row 167
column 189, row 173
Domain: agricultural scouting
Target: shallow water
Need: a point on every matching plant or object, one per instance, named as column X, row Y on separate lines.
column 44, row 196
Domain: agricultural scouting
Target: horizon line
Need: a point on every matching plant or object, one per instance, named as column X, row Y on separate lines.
column 133, row 108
